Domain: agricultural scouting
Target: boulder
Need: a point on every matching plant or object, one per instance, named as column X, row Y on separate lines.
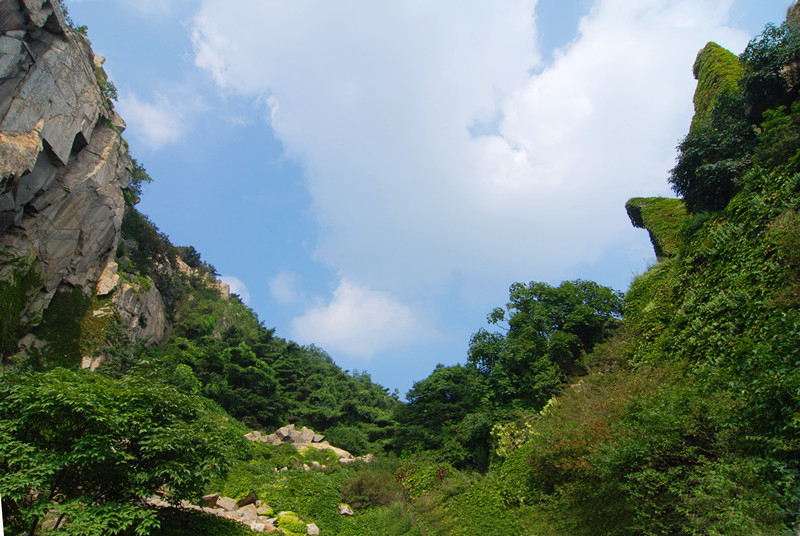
column 142, row 309
column 250, row 498
column 345, row 510
column 284, row 433
column 312, row 529
column 304, row 435
column 248, row 512
column 227, row 504
column 264, row 510
column 210, row 501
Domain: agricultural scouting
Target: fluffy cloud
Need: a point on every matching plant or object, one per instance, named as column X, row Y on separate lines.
column 156, row 124
column 357, row 322
column 282, row 287
column 237, row 287
column 377, row 100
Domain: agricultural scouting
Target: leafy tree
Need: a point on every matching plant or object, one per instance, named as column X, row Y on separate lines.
column 713, row 155
column 765, row 84
column 435, row 405
column 779, row 139
column 139, row 177
column 88, row 448
column 548, row 330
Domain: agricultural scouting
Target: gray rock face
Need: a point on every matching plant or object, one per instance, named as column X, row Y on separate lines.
column 62, row 162
column 142, row 310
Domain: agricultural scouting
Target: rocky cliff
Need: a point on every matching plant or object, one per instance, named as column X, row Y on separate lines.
column 63, row 164
column 64, row 168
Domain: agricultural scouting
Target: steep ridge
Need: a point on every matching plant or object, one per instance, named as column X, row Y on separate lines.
column 63, row 163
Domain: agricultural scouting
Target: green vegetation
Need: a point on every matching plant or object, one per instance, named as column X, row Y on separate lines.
column 663, row 218
column 547, row 332
column 87, row 447
column 717, row 71
column 20, row 281
column 727, row 128
column 671, row 410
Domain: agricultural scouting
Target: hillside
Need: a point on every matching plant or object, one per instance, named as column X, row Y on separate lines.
column 132, row 379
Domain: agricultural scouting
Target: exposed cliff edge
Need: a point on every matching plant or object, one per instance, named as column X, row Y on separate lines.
column 63, row 164
column 64, row 171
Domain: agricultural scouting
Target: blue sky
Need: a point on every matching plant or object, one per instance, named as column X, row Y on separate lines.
column 372, row 176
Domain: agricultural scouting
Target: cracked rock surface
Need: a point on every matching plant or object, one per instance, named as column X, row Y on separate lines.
column 63, row 164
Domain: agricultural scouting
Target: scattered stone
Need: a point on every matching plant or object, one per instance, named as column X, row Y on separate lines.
column 249, row 499
column 248, row 512
column 312, row 529
column 258, row 527
column 345, row 510
column 210, row 501
column 264, row 510
column 228, row 504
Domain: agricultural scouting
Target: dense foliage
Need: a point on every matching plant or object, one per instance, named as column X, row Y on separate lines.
column 730, row 103
column 88, row 448
column 670, row 411
column 547, row 332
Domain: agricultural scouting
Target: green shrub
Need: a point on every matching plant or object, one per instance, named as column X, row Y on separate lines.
column 178, row 522
column 419, row 474
column 20, row 282
column 371, row 486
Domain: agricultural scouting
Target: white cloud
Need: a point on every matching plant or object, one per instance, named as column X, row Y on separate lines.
column 282, row 287
column 237, row 287
column 158, row 123
column 357, row 322
column 376, row 99
column 157, row 8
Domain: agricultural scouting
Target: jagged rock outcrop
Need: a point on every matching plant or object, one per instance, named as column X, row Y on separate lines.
column 63, row 164
column 142, row 310
column 304, row 438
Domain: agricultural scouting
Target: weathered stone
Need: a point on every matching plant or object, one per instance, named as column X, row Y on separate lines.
column 227, row 504
column 257, row 526
column 247, row 500
column 248, row 512
column 62, row 168
column 108, row 279
column 11, row 18
column 92, row 363
column 284, row 432
column 317, row 438
column 345, row 510
column 306, row 435
column 142, row 310
column 210, row 501
column 264, row 510
column 19, row 150
column 312, row 529
column 343, row 455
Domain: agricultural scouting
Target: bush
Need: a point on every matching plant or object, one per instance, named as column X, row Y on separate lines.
column 372, row 485
column 90, row 447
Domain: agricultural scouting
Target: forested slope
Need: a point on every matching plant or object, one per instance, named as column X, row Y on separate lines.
column 671, row 409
